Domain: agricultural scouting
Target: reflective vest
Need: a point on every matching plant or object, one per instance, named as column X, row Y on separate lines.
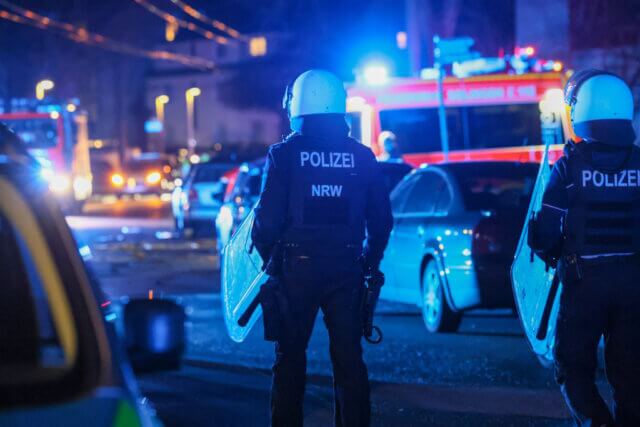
column 603, row 216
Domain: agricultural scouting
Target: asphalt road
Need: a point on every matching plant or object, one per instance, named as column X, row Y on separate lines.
column 484, row 375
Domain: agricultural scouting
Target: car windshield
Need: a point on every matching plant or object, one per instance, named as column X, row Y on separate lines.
column 495, row 186
column 36, row 133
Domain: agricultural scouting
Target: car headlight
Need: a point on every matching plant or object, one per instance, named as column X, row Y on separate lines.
column 60, row 184
column 117, row 180
column 153, row 178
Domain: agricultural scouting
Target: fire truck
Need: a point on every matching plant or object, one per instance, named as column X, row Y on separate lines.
column 56, row 135
column 502, row 116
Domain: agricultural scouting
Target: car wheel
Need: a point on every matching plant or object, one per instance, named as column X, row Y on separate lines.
column 436, row 313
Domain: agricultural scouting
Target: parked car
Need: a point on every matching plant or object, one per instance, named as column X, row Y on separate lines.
column 102, row 174
column 195, row 204
column 62, row 360
column 148, row 173
column 241, row 197
column 456, row 227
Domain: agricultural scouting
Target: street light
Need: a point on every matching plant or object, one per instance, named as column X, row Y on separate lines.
column 42, row 86
column 190, row 96
column 161, row 100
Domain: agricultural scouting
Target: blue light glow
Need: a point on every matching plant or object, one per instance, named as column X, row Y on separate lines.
column 153, row 126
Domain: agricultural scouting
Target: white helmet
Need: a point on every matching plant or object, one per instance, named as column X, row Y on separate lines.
column 315, row 92
column 600, row 107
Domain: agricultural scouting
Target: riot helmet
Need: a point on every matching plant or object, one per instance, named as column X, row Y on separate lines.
column 314, row 92
column 599, row 108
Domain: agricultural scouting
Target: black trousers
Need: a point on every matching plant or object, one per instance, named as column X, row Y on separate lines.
column 605, row 300
column 335, row 288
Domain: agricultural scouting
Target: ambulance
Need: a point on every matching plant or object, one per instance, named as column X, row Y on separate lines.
column 494, row 111
column 56, row 135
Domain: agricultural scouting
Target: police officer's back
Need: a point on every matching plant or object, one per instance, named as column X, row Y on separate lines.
column 324, row 217
column 590, row 225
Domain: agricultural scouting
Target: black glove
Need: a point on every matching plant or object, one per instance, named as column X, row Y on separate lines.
column 539, row 246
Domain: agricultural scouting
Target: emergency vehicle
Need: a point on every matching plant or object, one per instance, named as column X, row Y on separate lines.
column 56, row 135
column 503, row 116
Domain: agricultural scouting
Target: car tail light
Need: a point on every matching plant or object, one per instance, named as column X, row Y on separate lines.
column 486, row 237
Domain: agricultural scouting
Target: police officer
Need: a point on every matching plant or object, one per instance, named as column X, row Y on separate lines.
column 590, row 224
column 389, row 143
column 322, row 197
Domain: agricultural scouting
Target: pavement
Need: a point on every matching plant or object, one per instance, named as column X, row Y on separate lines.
column 484, row 375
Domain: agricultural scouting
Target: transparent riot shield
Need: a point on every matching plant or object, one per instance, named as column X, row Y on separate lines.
column 536, row 289
column 242, row 277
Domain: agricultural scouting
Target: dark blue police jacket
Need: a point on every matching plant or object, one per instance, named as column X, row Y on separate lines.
column 323, row 193
column 591, row 206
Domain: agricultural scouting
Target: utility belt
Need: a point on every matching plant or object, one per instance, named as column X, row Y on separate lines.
column 573, row 265
column 343, row 251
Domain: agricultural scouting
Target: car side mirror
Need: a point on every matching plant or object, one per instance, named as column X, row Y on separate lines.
column 154, row 334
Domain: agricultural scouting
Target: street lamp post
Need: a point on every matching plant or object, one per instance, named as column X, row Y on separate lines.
column 161, row 100
column 190, row 96
column 42, row 86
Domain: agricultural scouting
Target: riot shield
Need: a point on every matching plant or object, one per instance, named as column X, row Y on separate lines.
column 241, row 277
column 535, row 287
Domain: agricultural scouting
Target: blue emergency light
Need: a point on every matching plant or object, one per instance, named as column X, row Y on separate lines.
column 153, row 126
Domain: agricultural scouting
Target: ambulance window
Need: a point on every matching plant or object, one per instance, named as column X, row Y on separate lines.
column 353, row 120
column 36, row 133
column 458, row 128
column 416, row 130
column 504, row 125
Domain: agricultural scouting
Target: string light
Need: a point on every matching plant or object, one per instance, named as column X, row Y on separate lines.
column 83, row 36
column 206, row 20
column 170, row 19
